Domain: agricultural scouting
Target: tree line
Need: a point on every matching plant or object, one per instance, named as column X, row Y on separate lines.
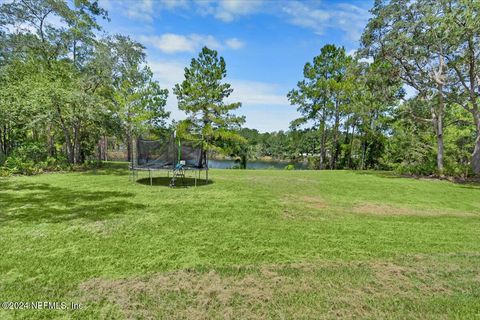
column 429, row 47
column 67, row 86
column 407, row 100
column 64, row 87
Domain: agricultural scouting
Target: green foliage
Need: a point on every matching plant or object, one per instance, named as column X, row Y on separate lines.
column 435, row 52
column 201, row 95
column 64, row 84
column 323, row 95
column 340, row 92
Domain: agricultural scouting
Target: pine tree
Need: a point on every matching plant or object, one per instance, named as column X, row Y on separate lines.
column 201, row 96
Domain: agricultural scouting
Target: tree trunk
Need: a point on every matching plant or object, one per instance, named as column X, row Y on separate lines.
column 351, row 148
column 474, row 84
column 68, row 145
column 76, row 145
column 333, row 159
column 322, row 145
column 346, row 142
column 243, row 161
column 476, row 151
column 100, row 151
column 440, row 146
column 364, row 151
column 50, row 142
column 438, row 124
column 102, row 148
column 105, row 148
column 4, row 143
column 129, row 147
column 66, row 134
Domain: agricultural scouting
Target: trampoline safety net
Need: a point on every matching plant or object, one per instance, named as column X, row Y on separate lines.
column 168, row 152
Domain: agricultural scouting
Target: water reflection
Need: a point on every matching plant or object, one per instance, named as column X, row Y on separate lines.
column 256, row 164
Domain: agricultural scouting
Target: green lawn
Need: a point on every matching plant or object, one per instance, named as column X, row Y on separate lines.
column 252, row 244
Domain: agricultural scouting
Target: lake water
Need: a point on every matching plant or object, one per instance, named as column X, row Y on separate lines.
column 256, row 164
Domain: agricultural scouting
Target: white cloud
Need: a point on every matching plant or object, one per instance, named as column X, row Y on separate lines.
column 170, row 43
column 352, row 52
column 410, row 92
column 228, row 10
column 174, row 43
column 268, row 119
column 168, row 73
column 302, row 15
column 147, row 10
column 139, row 10
column 349, row 18
column 258, row 98
column 234, row 43
column 173, row 4
column 256, row 93
column 206, row 40
column 367, row 60
column 143, row 10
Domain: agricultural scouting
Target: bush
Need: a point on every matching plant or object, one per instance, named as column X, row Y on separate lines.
column 290, row 167
column 31, row 159
column 4, row 172
column 313, row 162
column 31, row 151
column 15, row 164
column 420, row 169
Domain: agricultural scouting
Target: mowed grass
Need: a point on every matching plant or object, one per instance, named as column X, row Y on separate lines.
column 254, row 244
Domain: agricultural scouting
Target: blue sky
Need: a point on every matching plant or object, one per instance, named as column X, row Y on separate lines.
column 265, row 44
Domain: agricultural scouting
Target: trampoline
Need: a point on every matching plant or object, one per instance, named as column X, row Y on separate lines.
column 178, row 157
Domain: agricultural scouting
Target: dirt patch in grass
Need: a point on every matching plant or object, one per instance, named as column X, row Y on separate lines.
column 298, row 206
column 313, row 290
column 314, row 202
column 183, row 294
column 389, row 210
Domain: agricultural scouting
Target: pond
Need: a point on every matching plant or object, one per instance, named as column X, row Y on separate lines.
column 256, row 164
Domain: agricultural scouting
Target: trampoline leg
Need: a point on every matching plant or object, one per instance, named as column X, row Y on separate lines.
column 150, row 175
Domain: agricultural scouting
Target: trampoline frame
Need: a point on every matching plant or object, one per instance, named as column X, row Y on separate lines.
column 177, row 170
column 169, row 169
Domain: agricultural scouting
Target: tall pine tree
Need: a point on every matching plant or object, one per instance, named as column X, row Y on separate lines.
column 201, row 95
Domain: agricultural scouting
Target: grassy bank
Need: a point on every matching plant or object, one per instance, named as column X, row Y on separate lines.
column 252, row 244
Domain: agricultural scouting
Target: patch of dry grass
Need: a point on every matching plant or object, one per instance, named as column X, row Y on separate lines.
column 300, row 206
column 391, row 210
column 370, row 289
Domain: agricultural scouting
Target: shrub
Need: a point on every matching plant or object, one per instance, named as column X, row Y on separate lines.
column 30, row 159
column 15, row 164
column 313, row 162
column 421, row 169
